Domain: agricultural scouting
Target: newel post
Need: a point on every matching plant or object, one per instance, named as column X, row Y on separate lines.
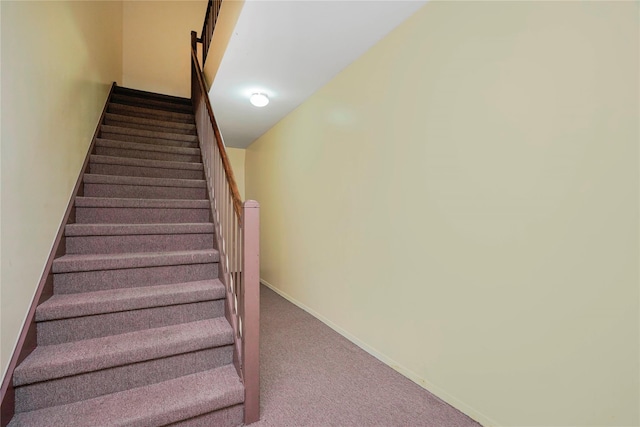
column 251, row 299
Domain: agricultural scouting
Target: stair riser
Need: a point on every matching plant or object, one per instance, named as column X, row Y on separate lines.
column 88, row 281
column 143, row 191
column 148, row 134
column 137, row 243
column 143, row 126
column 151, row 155
column 145, row 113
column 123, row 170
column 101, row 325
column 121, row 118
column 93, row 384
column 144, row 171
column 89, row 215
column 228, row 417
column 151, row 103
column 151, row 95
column 146, row 140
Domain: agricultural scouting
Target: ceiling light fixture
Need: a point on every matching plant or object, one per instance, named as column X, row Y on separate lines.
column 259, row 99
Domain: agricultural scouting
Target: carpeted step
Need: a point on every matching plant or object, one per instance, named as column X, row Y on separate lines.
column 150, row 307
column 150, row 113
column 145, row 140
column 103, row 210
column 109, row 165
column 158, row 134
column 109, row 121
column 151, row 103
column 135, row 332
column 88, row 273
column 82, row 356
column 143, row 188
column 89, row 281
column 116, row 300
column 114, row 238
column 120, row 120
column 154, row 405
column 58, row 374
column 96, row 262
column 151, row 95
column 106, row 147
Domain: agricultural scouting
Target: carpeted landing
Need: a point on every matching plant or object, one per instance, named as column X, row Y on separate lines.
column 312, row 376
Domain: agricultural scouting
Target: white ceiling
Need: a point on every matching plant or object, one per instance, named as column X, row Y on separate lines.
column 289, row 50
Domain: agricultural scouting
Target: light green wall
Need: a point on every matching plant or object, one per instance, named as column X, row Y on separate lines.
column 58, row 62
column 462, row 201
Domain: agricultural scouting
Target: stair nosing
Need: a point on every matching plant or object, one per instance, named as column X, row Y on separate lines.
column 151, row 95
column 87, row 230
column 83, row 304
column 41, row 364
column 145, row 163
column 71, row 263
column 153, row 112
column 165, row 402
column 143, row 181
column 135, row 100
column 125, row 202
column 121, row 118
column 141, row 146
column 169, row 136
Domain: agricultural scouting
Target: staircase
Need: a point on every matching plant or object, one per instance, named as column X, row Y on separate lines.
column 135, row 333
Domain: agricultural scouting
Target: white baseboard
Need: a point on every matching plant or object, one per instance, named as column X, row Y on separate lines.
column 435, row 390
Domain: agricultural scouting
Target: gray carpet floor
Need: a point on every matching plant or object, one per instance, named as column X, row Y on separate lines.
column 312, row 376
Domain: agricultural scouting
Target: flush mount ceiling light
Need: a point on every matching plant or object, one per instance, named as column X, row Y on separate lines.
column 259, row 99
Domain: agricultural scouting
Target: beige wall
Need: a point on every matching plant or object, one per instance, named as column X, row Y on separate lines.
column 157, row 40
column 226, row 23
column 237, row 159
column 58, row 62
column 462, row 201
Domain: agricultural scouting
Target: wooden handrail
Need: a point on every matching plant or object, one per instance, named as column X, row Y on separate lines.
column 237, row 236
column 210, row 18
column 237, row 200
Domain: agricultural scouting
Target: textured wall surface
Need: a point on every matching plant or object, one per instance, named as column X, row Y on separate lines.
column 157, row 39
column 462, row 201
column 58, row 62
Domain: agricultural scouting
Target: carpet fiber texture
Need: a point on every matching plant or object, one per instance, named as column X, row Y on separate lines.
column 312, row 376
column 135, row 332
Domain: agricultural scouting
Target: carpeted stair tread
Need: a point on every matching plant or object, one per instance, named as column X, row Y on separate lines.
column 110, row 121
column 113, row 300
column 147, row 140
column 151, row 103
column 149, row 406
column 135, row 332
column 145, row 163
column 143, row 181
column 136, row 229
column 94, row 262
column 146, row 112
column 162, row 134
column 151, row 95
column 72, row 358
column 116, row 202
column 139, row 146
column 160, row 124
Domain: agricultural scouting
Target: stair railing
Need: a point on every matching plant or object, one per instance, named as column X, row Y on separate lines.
column 213, row 10
column 237, row 233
